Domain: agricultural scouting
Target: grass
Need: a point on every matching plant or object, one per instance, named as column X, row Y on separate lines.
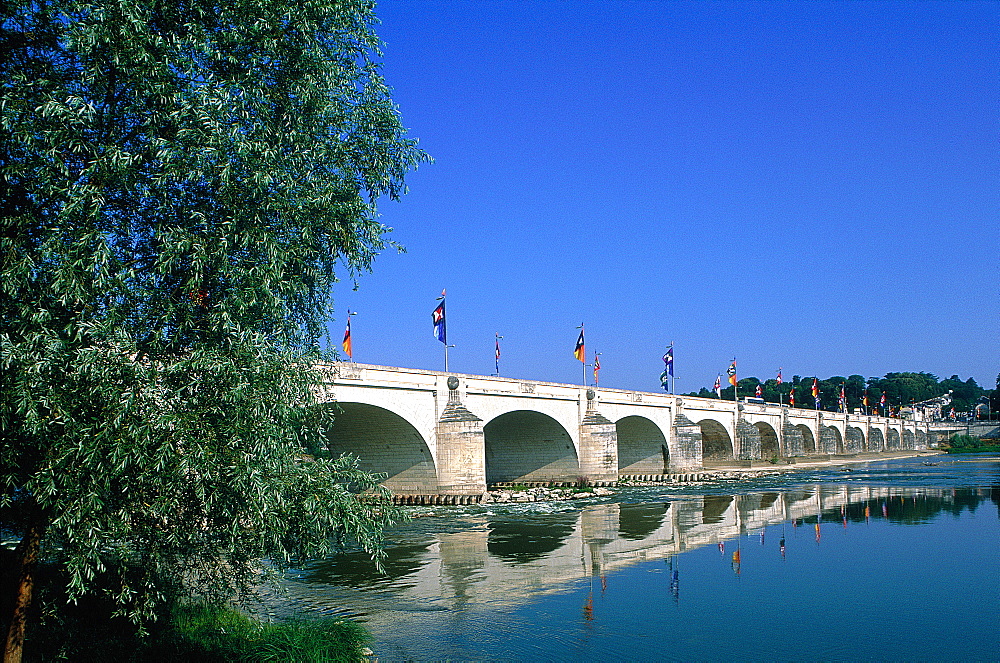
column 194, row 632
column 202, row 632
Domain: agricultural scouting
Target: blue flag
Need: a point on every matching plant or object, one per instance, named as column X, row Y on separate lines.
column 438, row 318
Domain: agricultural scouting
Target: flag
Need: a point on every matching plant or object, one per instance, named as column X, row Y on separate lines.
column 498, row 354
column 864, row 401
column 580, row 352
column 843, row 399
column 731, row 372
column 347, row 339
column 718, row 386
column 438, row 318
column 668, row 359
column 597, row 367
column 791, row 397
column 779, row 376
column 815, row 388
column 759, row 393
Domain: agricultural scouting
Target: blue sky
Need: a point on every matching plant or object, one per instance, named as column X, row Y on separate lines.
column 814, row 186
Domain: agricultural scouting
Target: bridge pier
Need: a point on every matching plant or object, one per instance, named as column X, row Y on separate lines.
column 686, row 451
column 794, row 443
column 460, row 447
column 748, row 440
column 598, row 444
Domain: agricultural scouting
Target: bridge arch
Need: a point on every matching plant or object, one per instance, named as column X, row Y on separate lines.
column 855, row 440
column 830, row 440
column 908, row 441
column 531, row 537
column 876, row 442
column 716, row 445
column 921, row 439
column 524, row 445
column 642, row 447
column 808, row 441
column 892, row 444
column 769, row 444
column 638, row 521
column 385, row 442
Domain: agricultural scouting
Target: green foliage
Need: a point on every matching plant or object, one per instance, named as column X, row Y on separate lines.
column 193, row 632
column 202, row 632
column 181, row 186
column 900, row 389
column 959, row 444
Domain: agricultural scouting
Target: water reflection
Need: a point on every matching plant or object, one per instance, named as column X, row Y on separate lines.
column 450, row 574
column 510, row 558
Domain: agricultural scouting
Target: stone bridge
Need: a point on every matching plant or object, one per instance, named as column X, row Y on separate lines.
column 436, row 433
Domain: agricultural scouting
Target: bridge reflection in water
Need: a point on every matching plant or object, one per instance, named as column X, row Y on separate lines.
column 505, row 559
column 813, row 566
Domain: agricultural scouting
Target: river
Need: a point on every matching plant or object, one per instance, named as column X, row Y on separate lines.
column 891, row 560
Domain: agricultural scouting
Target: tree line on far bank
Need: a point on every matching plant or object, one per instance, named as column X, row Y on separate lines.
column 900, row 389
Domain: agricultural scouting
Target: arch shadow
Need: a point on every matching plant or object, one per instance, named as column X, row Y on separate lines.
column 529, row 446
column 808, row 441
column 642, row 448
column 716, row 445
column 769, row 445
column 855, row 440
column 875, row 440
column 830, row 440
column 385, row 442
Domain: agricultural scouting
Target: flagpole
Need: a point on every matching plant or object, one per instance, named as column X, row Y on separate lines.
column 671, row 367
column 351, row 333
column 582, row 345
column 439, row 317
column 736, row 382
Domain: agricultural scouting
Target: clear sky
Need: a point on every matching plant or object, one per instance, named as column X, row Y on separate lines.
column 810, row 185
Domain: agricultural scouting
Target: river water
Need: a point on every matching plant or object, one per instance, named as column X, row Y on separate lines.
column 891, row 560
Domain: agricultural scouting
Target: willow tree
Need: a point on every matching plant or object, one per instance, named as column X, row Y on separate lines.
column 182, row 183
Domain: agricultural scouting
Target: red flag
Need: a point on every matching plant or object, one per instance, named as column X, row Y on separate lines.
column 779, row 376
column 579, row 351
column 759, row 392
column 732, row 372
column 791, row 397
column 347, row 339
column 815, row 388
column 597, row 367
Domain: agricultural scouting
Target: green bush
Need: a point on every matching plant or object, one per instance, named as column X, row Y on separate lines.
column 191, row 632
column 202, row 632
column 969, row 444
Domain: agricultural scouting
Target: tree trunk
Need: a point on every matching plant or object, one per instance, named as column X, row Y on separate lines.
column 26, row 555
